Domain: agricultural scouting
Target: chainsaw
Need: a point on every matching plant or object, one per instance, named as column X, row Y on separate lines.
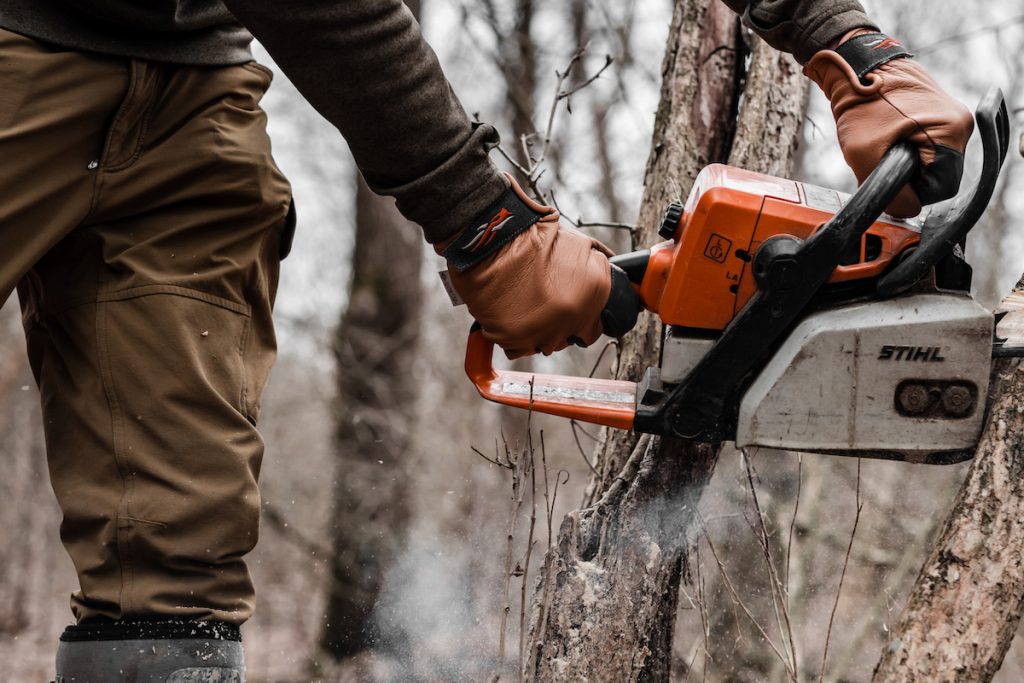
column 799, row 318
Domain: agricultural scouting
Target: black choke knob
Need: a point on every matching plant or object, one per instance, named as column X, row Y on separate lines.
column 670, row 223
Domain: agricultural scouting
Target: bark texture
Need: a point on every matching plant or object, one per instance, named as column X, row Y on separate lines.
column 967, row 601
column 606, row 600
column 375, row 347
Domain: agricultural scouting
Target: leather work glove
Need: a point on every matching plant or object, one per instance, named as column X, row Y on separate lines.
column 880, row 96
column 534, row 286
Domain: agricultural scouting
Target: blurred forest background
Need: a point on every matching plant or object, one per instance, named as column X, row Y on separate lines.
column 383, row 546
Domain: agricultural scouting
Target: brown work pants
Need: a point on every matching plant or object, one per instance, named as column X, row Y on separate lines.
column 140, row 216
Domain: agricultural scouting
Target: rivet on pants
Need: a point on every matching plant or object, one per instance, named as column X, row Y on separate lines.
column 93, row 165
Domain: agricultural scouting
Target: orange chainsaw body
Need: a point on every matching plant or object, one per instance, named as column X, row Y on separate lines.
column 699, row 280
column 748, row 258
column 701, row 277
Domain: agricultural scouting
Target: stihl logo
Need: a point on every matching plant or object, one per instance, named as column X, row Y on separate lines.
column 924, row 354
column 884, row 44
column 486, row 231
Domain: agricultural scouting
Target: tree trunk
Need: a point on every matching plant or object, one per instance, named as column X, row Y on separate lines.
column 967, row 601
column 375, row 347
column 605, row 603
column 517, row 60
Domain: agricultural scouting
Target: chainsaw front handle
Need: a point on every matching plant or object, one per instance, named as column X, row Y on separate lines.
column 946, row 225
column 607, row 402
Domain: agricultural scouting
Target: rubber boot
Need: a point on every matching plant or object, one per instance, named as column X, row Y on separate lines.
column 151, row 652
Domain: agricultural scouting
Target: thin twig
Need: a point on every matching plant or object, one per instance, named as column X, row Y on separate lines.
column 600, row 356
column 519, row 167
column 534, row 169
column 583, row 454
column 585, row 433
column 815, row 128
column 705, row 622
column 581, row 224
column 509, row 542
column 520, row 468
column 529, row 543
column 559, row 481
column 607, row 63
column 689, row 665
column 842, row 576
column 738, row 601
column 524, row 142
column 534, row 183
column 997, row 27
column 705, row 625
column 487, row 458
column 560, row 95
column 548, row 505
column 501, row 431
column 548, row 131
column 792, row 522
column 626, row 474
column 778, row 599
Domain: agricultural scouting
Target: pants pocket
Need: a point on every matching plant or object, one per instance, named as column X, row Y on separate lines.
column 284, row 244
column 152, row 452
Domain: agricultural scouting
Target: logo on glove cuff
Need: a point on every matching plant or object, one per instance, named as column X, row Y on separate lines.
column 884, row 44
column 486, row 232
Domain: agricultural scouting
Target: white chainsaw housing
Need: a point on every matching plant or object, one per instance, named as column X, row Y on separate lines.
column 832, row 386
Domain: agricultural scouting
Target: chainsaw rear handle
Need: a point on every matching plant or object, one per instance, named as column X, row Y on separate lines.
column 600, row 401
column 947, row 224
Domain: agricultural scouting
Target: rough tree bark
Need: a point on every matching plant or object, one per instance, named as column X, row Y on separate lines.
column 605, row 603
column 375, row 346
column 967, row 602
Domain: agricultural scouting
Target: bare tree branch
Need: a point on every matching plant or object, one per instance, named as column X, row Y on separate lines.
column 963, row 36
column 842, row 576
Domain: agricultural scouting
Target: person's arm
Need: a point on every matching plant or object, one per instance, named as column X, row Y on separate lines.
column 879, row 94
column 364, row 65
column 802, row 27
column 533, row 285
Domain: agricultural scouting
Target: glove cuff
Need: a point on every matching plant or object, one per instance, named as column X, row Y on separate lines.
column 501, row 222
column 868, row 51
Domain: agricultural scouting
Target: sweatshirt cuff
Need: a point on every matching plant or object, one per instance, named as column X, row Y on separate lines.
column 821, row 35
column 447, row 199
